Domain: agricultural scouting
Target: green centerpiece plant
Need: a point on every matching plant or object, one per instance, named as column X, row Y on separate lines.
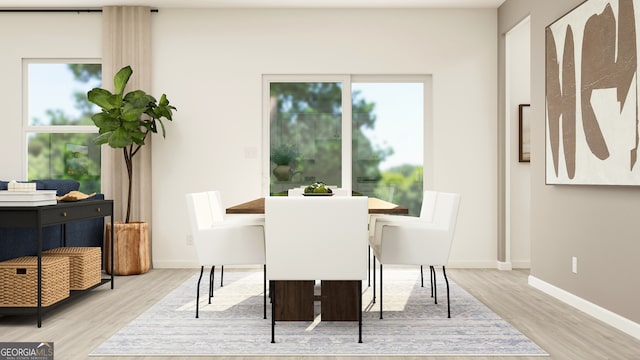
column 318, row 188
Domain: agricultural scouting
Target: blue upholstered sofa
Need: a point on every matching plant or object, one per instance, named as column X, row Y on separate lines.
column 16, row 242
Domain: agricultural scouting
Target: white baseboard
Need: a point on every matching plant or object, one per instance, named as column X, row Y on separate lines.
column 186, row 264
column 621, row 323
column 454, row 264
column 190, row 264
column 503, row 265
column 521, row 264
column 176, row 264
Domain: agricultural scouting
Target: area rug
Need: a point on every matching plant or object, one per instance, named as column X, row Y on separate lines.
column 233, row 324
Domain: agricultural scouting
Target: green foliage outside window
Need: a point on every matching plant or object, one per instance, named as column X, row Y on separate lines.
column 307, row 116
column 67, row 155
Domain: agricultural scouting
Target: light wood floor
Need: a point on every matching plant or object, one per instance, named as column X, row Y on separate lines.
column 80, row 326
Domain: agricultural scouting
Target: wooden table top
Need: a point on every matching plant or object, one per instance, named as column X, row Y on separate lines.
column 376, row 206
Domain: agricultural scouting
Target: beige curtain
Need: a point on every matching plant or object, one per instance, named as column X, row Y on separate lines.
column 126, row 40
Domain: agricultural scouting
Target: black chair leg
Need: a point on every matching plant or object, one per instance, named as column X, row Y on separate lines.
column 264, row 289
column 374, row 279
column 447, row 281
column 360, row 313
column 380, row 290
column 211, row 276
column 221, row 275
column 434, row 286
column 368, row 266
column 272, row 291
column 431, row 276
column 421, row 277
column 198, row 291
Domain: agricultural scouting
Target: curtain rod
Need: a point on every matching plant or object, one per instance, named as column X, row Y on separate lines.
column 58, row 10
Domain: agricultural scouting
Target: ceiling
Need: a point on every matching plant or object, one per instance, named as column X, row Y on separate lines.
column 92, row 4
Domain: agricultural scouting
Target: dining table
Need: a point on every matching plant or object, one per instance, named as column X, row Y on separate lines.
column 376, row 206
column 295, row 293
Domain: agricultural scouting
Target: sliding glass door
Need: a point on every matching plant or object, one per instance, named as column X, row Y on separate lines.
column 365, row 134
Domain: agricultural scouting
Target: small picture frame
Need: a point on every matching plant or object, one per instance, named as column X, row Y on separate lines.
column 524, row 133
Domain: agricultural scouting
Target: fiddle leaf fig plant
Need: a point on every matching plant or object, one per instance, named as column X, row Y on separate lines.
column 127, row 119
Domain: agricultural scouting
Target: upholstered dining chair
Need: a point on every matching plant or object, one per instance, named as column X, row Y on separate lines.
column 424, row 240
column 219, row 215
column 426, row 215
column 317, row 238
column 223, row 241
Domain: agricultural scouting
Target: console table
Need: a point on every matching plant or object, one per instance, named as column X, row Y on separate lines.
column 62, row 213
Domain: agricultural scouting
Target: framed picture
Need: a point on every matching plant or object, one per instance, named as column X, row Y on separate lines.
column 592, row 123
column 524, row 134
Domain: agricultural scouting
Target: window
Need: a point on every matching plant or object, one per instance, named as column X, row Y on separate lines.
column 58, row 128
column 365, row 134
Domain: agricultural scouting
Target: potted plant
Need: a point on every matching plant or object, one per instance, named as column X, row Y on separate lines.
column 124, row 123
column 284, row 157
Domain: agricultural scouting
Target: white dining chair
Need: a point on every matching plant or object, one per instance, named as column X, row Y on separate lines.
column 221, row 241
column 426, row 214
column 424, row 240
column 316, row 238
column 219, row 214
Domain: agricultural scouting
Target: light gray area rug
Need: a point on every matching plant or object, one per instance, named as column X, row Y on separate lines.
column 233, row 324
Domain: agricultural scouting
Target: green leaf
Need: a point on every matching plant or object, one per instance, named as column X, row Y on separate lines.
column 162, row 126
column 139, row 97
column 163, row 100
column 101, row 97
column 121, row 79
column 105, row 122
column 119, row 138
column 131, row 112
column 102, row 138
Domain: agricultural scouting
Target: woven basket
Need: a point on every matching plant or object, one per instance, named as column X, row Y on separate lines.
column 19, row 281
column 85, row 265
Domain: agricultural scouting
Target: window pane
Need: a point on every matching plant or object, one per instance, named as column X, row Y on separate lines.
column 306, row 134
column 65, row 156
column 57, row 93
column 388, row 142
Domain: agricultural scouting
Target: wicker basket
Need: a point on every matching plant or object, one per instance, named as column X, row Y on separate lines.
column 85, row 265
column 19, row 281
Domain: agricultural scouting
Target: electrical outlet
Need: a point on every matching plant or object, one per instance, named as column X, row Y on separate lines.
column 189, row 240
column 574, row 265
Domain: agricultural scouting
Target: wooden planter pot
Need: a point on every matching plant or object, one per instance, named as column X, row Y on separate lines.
column 132, row 248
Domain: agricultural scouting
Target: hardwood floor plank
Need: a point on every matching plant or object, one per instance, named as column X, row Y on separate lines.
column 564, row 332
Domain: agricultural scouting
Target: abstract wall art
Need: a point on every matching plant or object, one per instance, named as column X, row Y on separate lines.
column 592, row 133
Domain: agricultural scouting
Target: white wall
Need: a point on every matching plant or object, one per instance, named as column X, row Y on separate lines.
column 210, row 64
column 36, row 35
column 518, row 77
